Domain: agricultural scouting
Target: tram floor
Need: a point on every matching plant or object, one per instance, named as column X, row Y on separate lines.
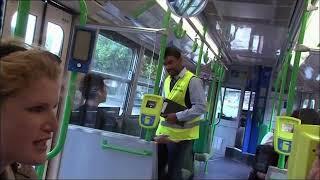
column 222, row 168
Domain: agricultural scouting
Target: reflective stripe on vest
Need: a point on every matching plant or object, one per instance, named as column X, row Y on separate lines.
column 190, row 129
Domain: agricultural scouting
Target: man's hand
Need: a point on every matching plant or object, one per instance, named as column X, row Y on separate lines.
column 171, row 118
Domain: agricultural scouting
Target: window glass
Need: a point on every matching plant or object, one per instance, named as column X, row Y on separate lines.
column 219, row 102
column 141, row 90
column 30, row 27
column 246, row 100
column 113, row 58
column 231, row 103
column 305, row 103
column 242, row 37
column 149, row 69
column 312, row 105
column 54, row 38
column 146, row 80
column 255, row 43
column 116, row 94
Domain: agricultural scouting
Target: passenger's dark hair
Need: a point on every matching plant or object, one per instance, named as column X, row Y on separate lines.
column 90, row 85
column 6, row 49
column 307, row 116
column 172, row 51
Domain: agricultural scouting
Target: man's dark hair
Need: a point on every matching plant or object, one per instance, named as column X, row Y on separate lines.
column 307, row 116
column 172, row 51
column 91, row 84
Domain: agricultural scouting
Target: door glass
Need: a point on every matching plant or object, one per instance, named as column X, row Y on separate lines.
column 231, row 103
column 30, row 27
column 54, row 38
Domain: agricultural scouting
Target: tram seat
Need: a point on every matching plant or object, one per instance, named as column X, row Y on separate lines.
column 131, row 126
column 109, row 119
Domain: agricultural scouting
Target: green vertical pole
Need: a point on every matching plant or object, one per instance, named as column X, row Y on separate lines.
column 163, row 44
column 297, row 58
column 283, row 82
column 201, row 51
column 274, row 99
column 293, row 82
column 22, row 18
column 221, row 74
column 68, row 104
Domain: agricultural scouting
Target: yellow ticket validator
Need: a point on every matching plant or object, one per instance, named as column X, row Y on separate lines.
column 150, row 111
column 283, row 134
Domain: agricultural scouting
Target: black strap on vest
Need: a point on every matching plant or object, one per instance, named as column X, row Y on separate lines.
column 187, row 100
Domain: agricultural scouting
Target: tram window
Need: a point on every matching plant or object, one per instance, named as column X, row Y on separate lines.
column 255, row 43
column 305, row 103
column 242, row 37
column 54, row 38
column 149, row 69
column 30, row 27
column 146, row 80
column 141, row 90
column 116, row 94
column 231, row 103
column 113, row 58
column 312, row 105
column 246, row 100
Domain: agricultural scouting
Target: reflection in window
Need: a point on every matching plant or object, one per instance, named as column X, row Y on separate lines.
column 30, row 27
column 116, row 94
column 141, row 90
column 242, row 38
column 231, row 103
column 246, row 100
column 113, row 58
column 54, row 39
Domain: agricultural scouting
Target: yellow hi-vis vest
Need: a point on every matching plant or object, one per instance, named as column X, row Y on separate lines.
column 190, row 129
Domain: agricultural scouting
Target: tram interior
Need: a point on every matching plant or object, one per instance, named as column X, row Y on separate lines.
column 252, row 37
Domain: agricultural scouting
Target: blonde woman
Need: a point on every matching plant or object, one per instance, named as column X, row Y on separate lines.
column 29, row 91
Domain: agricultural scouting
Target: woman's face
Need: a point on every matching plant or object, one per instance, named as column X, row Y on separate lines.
column 27, row 121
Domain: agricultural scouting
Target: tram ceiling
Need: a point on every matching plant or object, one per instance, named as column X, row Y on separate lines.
column 252, row 29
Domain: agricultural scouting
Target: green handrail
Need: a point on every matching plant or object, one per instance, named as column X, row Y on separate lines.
column 106, row 145
column 68, row 104
column 294, row 76
column 283, row 82
column 22, row 18
column 163, row 44
column 297, row 58
column 201, row 51
column 278, row 80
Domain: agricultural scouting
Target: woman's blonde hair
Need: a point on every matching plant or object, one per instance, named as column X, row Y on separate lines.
column 20, row 65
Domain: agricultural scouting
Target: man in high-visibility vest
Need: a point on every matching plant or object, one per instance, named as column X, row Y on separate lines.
column 177, row 131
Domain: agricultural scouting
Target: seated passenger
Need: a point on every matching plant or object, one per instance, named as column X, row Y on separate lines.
column 29, row 92
column 93, row 91
column 307, row 116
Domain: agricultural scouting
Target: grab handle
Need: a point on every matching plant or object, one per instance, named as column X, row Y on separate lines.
column 106, row 145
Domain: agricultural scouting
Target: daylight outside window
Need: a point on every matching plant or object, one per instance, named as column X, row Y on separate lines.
column 30, row 27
